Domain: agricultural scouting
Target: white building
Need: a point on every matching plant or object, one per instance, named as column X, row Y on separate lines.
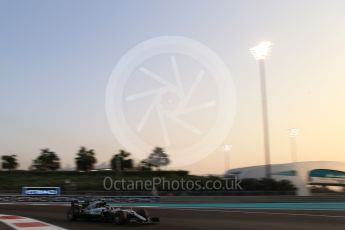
column 301, row 174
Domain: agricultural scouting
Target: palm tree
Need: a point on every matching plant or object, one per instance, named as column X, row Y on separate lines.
column 9, row 162
column 46, row 161
column 85, row 159
column 120, row 162
column 158, row 158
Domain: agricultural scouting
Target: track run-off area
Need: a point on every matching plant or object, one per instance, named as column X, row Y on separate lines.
column 200, row 216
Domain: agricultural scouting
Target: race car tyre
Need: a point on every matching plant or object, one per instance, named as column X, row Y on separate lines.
column 71, row 215
column 108, row 217
column 120, row 218
column 143, row 213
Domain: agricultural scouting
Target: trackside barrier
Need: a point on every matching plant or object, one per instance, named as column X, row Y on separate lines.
column 173, row 199
column 115, row 199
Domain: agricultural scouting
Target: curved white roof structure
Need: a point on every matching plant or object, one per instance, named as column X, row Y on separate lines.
column 300, row 174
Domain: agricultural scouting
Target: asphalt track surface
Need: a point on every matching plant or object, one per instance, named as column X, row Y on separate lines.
column 183, row 218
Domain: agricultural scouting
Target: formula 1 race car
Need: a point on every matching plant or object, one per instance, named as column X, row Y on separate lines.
column 101, row 210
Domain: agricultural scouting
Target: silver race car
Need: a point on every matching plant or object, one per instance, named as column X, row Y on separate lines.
column 101, row 210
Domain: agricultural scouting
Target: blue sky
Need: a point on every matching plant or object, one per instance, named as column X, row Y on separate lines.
column 56, row 58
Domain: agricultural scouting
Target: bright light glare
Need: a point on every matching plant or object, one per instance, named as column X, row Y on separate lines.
column 261, row 51
column 227, row 148
column 293, row 132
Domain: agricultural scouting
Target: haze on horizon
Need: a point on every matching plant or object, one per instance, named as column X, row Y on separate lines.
column 56, row 58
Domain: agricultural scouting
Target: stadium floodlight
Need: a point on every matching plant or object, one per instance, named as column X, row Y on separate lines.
column 261, row 50
column 226, row 149
column 293, row 133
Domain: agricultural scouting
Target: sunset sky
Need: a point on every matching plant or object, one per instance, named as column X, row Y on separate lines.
column 56, row 58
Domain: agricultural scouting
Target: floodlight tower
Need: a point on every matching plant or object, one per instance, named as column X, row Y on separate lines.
column 260, row 52
column 293, row 133
column 226, row 149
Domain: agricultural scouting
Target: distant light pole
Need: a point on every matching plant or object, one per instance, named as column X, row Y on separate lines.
column 260, row 52
column 227, row 149
column 293, row 133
